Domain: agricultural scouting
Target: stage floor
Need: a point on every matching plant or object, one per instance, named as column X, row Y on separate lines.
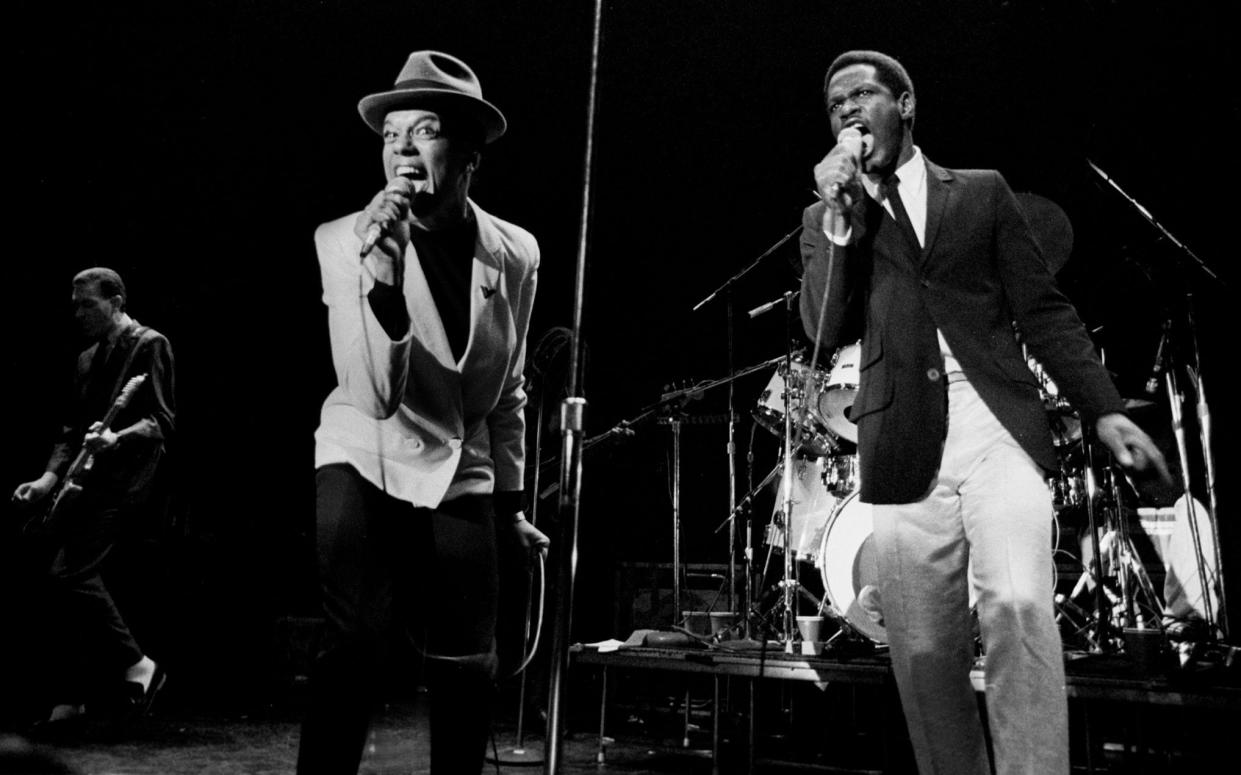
column 828, row 714
column 184, row 742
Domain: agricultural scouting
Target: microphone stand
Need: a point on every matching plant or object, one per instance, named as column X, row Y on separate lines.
column 572, row 423
column 1202, row 409
column 731, row 447
column 519, row 754
column 1151, row 219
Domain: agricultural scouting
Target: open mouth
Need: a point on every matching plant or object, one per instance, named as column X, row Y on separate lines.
column 411, row 172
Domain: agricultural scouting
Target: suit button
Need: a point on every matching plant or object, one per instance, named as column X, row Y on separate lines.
column 926, row 283
column 933, row 374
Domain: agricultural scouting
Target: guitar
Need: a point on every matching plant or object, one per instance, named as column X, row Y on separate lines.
column 44, row 522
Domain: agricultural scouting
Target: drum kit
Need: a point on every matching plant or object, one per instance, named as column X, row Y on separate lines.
column 820, row 521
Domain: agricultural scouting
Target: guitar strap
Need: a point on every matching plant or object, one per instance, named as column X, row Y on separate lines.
column 142, row 334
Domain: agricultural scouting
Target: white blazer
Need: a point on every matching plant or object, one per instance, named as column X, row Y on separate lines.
column 419, row 425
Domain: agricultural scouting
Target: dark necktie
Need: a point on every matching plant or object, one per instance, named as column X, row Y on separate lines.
column 100, row 359
column 898, row 210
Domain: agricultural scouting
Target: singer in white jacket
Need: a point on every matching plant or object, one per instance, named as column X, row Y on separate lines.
column 420, row 447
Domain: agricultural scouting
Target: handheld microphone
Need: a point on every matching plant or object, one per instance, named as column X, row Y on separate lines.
column 397, row 185
column 372, row 236
column 857, row 144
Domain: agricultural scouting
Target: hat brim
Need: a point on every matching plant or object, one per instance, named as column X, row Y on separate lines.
column 376, row 106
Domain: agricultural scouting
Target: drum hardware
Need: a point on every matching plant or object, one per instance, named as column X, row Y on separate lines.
column 666, row 410
column 796, row 386
column 1124, row 596
column 1166, row 363
column 807, row 408
column 726, row 288
column 840, row 474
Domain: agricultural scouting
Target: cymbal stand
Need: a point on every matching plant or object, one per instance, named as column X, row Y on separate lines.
column 1190, row 259
column 1208, row 457
column 1094, row 569
column 749, row 534
column 786, row 482
column 732, row 466
column 1175, row 399
column 1131, row 576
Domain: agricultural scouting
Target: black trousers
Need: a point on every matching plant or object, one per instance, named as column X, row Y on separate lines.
column 92, row 641
column 392, row 574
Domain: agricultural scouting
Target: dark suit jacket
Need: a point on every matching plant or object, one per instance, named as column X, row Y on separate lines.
column 979, row 272
column 127, row 471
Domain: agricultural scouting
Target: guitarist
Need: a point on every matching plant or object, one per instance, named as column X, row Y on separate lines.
column 100, row 503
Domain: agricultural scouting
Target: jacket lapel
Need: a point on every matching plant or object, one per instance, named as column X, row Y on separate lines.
column 486, row 278
column 937, row 192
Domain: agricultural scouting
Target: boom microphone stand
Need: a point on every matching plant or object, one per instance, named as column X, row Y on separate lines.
column 726, row 289
column 1203, row 413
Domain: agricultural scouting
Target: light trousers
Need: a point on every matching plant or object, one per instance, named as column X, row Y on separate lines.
column 988, row 522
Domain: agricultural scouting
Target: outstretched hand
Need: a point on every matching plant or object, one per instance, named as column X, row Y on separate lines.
column 1131, row 446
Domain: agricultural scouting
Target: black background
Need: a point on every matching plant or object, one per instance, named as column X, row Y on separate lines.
column 194, row 147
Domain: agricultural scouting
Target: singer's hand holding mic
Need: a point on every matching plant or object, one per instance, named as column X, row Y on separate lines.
column 837, row 176
column 383, row 228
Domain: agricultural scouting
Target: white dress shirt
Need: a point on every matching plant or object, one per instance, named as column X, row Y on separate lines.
column 911, row 183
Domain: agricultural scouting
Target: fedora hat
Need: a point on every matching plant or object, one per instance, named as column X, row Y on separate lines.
column 438, row 78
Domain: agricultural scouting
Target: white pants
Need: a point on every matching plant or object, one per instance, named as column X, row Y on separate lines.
column 989, row 508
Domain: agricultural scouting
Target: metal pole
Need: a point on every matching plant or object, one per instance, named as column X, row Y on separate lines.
column 732, row 468
column 571, row 413
column 676, row 520
column 1095, row 567
column 572, row 416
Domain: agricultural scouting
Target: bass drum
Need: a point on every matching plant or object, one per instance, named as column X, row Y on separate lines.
column 849, row 565
column 850, row 569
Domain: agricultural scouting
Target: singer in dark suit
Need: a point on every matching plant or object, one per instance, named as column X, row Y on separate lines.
column 935, row 269
column 420, row 447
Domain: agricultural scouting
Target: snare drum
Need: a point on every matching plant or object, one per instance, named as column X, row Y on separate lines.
column 836, row 398
column 812, row 506
column 801, row 386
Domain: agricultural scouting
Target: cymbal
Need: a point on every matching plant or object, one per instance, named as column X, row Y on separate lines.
column 1138, row 403
column 1051, row 228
